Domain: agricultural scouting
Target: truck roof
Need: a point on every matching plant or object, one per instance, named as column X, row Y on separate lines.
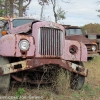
column 71, row 27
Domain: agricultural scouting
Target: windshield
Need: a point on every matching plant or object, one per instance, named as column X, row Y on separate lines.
column 73, row 32
column 19, row 22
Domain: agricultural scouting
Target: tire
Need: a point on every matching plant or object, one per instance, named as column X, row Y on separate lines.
column 4, row 79
column 77, row 80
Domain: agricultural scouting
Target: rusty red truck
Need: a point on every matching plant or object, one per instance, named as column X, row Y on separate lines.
column 94, row 38
column 28, row 45
column 75, row 33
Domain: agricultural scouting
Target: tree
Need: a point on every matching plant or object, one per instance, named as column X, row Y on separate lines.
column 7, row 8
column 21, row 7
column 98, row 2
column 91, row 28
column 11, row 10
column 2, row 10
column 99, row 12
column 42, row 3
column 54, row 9
column 10, row 7
column 59, row 14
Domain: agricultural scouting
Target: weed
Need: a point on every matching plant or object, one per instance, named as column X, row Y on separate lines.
column 76, row 95
column 98, row 89
column 20, row 92
column 87, row 88
column 90, row 92
column 61, row 82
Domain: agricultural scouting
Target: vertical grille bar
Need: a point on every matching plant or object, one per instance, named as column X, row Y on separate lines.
column 46, row 41
column 56, row 41
column 50, row 42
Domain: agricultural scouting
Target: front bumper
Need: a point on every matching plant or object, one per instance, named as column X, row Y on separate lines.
column 34, row 63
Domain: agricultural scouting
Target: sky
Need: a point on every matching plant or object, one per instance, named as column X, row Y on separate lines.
column 78, row 12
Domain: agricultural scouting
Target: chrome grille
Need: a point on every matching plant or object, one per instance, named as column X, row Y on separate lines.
column 50, row 41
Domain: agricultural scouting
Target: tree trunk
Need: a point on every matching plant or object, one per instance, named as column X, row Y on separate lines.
column 54, row 11
column 11, row 8
column 42, row 8
column 7, row 8
column 41, row 15
column 20, row 8
column 55, row 15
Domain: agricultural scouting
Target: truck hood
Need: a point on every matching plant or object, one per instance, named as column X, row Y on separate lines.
column 79, row 38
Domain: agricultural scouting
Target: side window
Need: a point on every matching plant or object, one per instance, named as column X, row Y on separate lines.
column 6, row 26
column 1, row 25
column 67, row 32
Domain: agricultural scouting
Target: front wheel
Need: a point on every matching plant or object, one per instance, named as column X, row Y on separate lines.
column 77, row 80
column 4, row 79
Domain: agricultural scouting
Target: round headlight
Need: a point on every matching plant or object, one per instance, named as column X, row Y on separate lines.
column 24, row 45
column 93, row 48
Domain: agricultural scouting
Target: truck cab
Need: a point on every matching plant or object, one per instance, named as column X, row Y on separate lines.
column 75, row 33
column 94, row 38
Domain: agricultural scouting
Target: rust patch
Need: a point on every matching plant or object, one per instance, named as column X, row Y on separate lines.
column 34, row 63
column 1, row 71
column 79, row 38
column 18, row 79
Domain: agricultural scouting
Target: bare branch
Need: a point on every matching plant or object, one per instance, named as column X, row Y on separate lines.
column 98, row 2
column 67, row 1
column 52, row 2
column 27, row 4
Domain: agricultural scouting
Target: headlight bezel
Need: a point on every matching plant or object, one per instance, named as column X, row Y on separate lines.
column 24, row 45
column 73, row 49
